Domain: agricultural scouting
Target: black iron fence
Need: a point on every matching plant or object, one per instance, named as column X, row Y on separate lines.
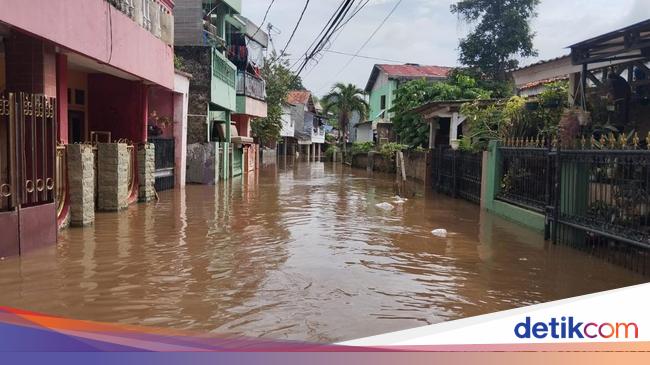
column 594, row 200
column 164, row 161
column 457, row 173
column 525, row 174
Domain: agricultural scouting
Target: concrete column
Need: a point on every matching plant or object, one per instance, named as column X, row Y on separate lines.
column 318, row 150
column 113, row 184
column 433, row 129
column 146, row 169
column 308, row 147
column 81, row 184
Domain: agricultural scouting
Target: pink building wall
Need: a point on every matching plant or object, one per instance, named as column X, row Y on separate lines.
column 95, row 29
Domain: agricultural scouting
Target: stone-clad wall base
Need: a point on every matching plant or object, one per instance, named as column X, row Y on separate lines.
column 202, row 163
column 81, row 184
column 113, row 185
column 146, row 170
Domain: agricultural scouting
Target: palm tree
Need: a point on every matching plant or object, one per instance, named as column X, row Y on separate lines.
column 343, row 100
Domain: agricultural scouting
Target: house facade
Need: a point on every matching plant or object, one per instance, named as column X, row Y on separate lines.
column 385, row 79
column 224, row 52
column 309, row 123
column 74, row 92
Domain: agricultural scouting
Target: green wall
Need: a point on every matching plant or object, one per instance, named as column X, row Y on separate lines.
column 222, row 86
column 491, row 185
column 387, row 89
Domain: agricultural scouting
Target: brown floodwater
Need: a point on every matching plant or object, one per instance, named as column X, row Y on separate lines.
column 298, row 251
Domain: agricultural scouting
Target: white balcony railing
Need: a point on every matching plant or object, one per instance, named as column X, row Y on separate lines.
column 149, row 14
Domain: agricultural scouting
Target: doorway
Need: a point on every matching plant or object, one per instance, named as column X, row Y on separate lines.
column 76, row 126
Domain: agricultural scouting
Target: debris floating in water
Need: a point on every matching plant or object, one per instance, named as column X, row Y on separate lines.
column 440, row 232
column 385, row 206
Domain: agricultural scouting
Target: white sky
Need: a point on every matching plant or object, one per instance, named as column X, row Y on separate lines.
column 425, row 32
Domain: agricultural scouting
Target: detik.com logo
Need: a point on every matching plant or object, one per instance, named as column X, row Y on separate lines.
column 568, row 327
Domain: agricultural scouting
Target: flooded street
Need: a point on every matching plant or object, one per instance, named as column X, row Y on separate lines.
column 298, row 252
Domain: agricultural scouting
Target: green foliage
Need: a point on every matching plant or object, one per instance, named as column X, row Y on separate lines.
column 389, row 149
column 516, row 118
column 410, row 127
column 279, row 80
column 362, row 147
column 178, row 63
column 501, row 34
column 343, row 100
column 331, row 150
column 499, row 89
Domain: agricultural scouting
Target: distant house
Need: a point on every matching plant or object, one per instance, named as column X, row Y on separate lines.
column 288, row 141
column 385, row 79
column 531, row 80
column 308, row 121
column 381, row 86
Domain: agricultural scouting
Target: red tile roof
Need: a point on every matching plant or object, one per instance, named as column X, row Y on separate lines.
column 409, row 71
column 298, row 97
column 415, row 70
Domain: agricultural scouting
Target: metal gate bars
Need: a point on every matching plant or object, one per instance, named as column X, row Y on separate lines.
column 27, row 169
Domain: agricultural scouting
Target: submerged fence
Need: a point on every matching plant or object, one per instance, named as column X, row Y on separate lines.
column 457, row 173
column 594, row 200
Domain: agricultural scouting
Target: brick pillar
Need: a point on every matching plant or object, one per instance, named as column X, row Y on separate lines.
column 113, row 164
column 81, row 184
column 146, row 169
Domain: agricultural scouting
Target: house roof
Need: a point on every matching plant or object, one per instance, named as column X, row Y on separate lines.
column 628, row 42
column 298, row 97
column 407, row 71
column 542, row 62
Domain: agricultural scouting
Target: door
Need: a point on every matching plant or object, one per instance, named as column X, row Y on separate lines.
column 28, row 143
column 76, row 126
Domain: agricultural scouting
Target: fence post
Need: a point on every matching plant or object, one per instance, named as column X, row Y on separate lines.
column 492, row 175
column 454, row 173
column 547, row 198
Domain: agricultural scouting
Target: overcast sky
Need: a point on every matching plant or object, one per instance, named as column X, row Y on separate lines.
column 425, row 32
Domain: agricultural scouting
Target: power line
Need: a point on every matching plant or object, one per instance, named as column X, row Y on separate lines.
column 328, row 34
column 361, row 56
column 336, row 11
column 264, row 19
column 294, row 29
column 356, row 54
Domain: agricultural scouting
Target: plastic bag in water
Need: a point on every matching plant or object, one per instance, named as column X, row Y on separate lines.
column 440, row 232
column 385, row 206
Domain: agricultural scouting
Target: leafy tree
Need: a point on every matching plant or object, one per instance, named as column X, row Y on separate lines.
column 343, row 101
column 410, row 127
column 279, row 81
column 501, row 34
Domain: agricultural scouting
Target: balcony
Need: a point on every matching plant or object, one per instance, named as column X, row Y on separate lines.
column 212, row 36
column 318, row 135
column 153, row 15
column 251, row 86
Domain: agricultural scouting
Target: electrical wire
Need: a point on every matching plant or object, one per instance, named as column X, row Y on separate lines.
column 366, row 57
column 328, row 34
column 294, row 29
column 372, row 35
column 266, row 13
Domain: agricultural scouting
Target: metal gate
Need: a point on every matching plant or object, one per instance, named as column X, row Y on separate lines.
column 27, row 169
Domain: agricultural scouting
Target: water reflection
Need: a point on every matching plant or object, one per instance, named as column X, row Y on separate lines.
column 298, row 251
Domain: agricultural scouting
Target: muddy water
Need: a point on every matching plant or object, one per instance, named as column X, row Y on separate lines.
column 299, row 252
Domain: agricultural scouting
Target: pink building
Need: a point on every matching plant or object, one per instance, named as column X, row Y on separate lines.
column 106, row 66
